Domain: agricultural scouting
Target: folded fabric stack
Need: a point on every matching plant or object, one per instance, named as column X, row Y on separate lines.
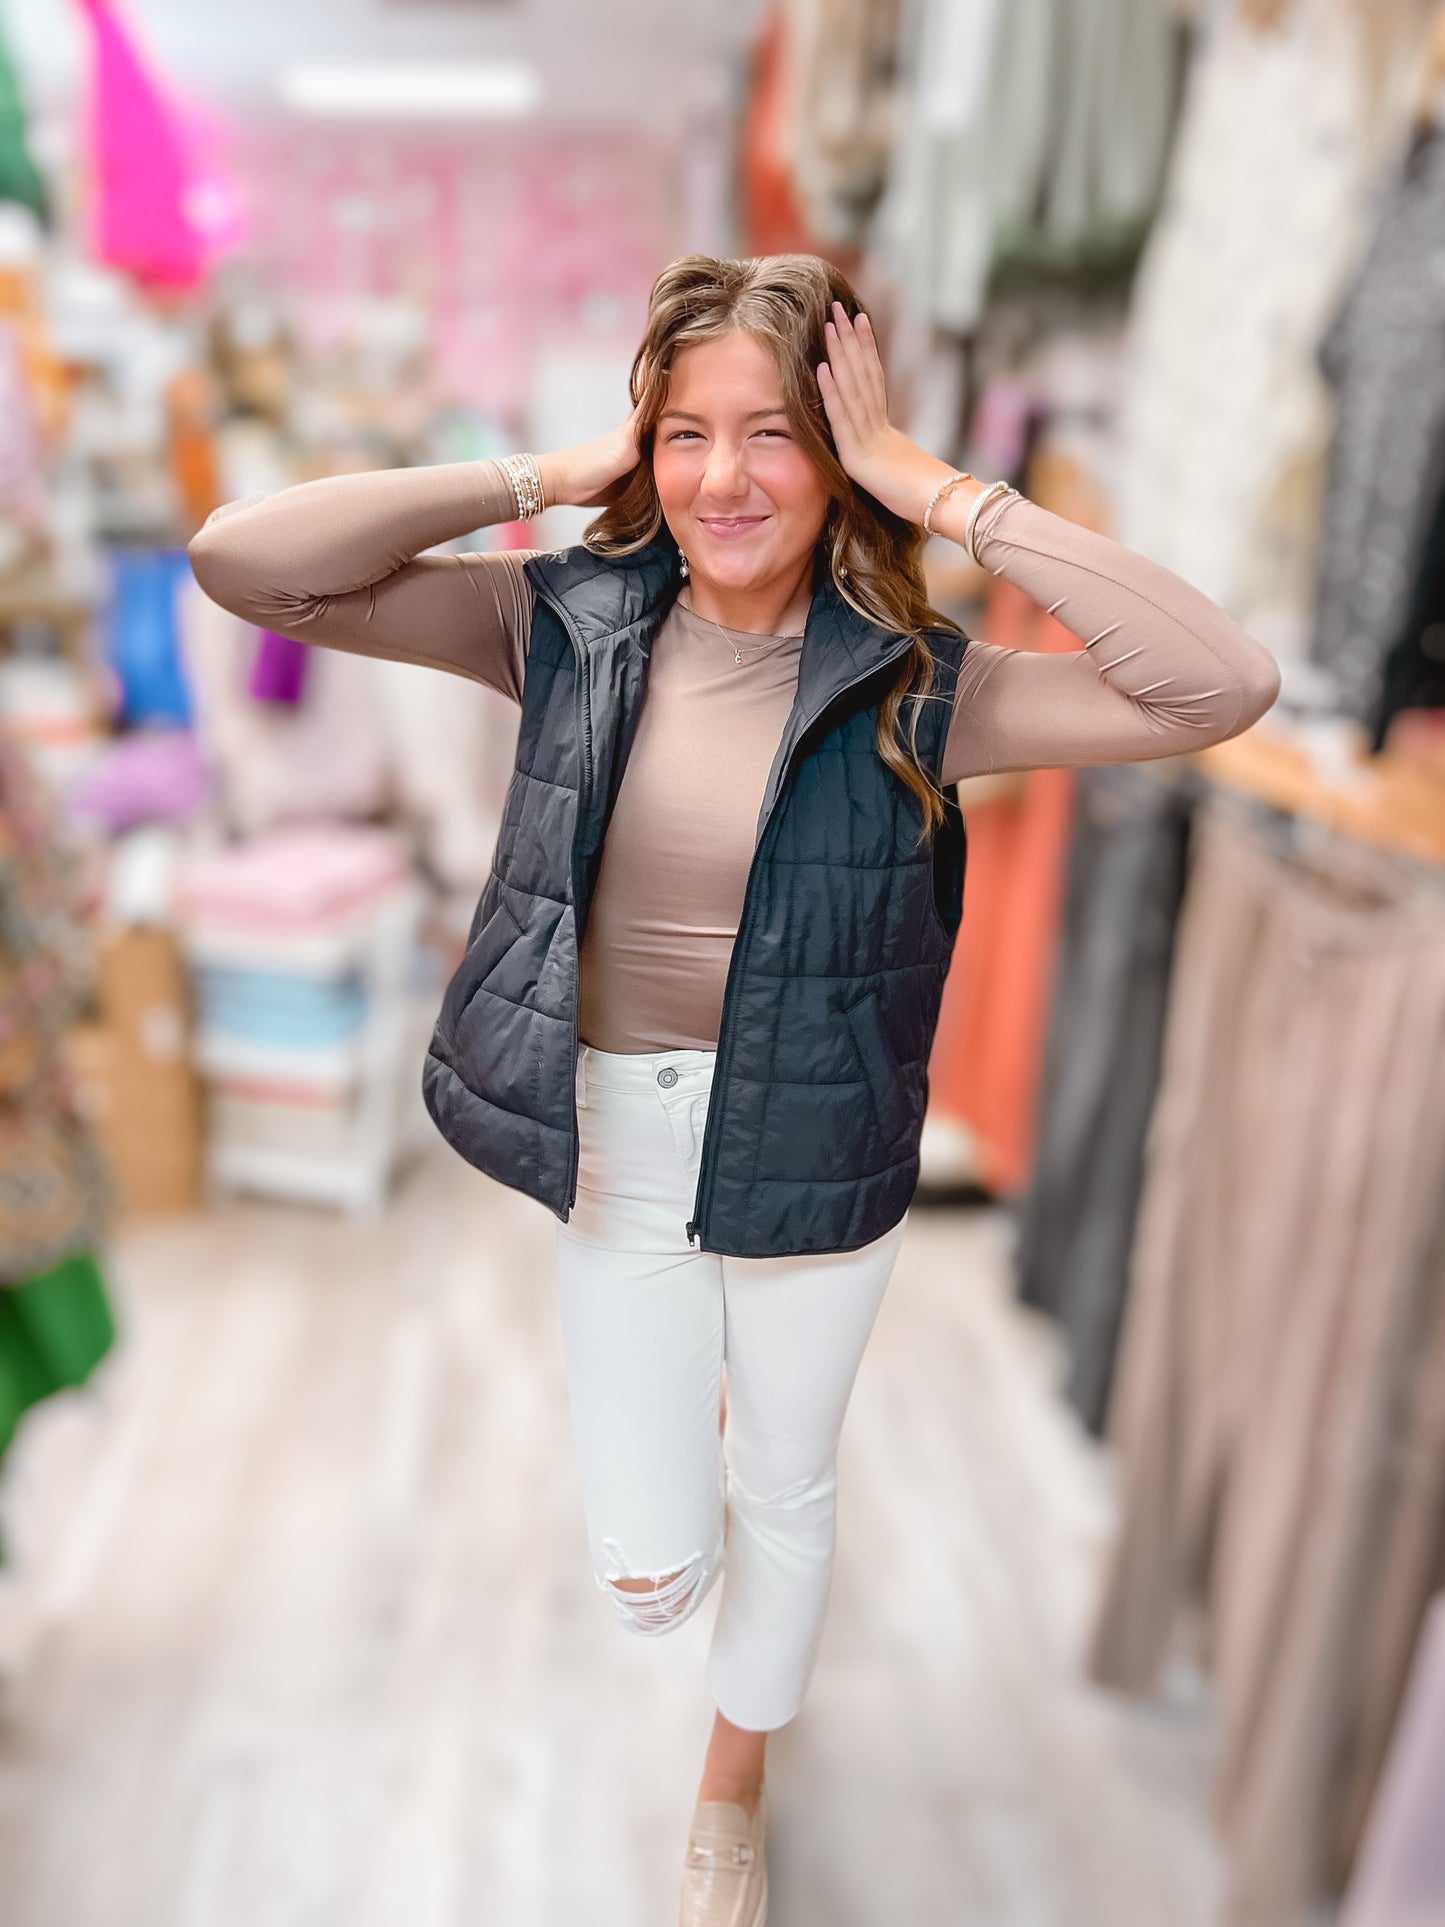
column 301, row 944
column 292, row 1013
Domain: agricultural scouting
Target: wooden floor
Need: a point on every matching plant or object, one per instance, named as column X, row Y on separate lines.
column 299, row 1628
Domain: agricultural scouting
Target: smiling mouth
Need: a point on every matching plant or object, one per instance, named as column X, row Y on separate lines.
column 729, row 525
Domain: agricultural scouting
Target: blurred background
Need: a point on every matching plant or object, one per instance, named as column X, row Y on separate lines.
column 1144, row 1479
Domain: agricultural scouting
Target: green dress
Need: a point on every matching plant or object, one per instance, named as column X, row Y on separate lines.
column 54, row 1331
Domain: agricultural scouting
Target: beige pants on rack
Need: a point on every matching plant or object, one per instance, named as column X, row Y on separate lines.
column 1281, row 1398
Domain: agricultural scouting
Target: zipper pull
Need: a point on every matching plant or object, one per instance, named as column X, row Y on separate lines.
column 690, row 1227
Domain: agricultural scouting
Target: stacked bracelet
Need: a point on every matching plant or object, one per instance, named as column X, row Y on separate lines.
column 525, row 476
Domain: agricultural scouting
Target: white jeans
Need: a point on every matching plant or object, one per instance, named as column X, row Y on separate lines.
column 647, row 1322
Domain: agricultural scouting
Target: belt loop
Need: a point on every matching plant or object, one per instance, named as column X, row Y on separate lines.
column 581, row 1086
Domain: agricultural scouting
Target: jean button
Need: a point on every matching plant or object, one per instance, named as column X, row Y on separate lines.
column 667, row 1077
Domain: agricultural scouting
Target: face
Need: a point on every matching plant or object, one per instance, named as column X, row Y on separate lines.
column 741, row 497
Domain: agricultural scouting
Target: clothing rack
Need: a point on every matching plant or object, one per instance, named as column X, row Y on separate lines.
column 1395, row 806
column 1283, row 1346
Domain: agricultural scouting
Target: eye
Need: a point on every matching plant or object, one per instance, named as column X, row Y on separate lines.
column 678, row 434
column 781, row 433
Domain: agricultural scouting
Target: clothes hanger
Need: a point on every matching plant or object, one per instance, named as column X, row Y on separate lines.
column 1327, row 851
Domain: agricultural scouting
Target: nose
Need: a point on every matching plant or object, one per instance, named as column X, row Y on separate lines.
column 723, row 474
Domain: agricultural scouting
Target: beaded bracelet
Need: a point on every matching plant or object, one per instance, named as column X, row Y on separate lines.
column 525, row 476
column 945, row 487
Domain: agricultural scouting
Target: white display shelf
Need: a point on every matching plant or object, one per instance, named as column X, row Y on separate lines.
column 376, row 1070
column 350, row 1182
column 333, row 1067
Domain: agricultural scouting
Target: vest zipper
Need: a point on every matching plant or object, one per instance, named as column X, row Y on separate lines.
column 708, row 1161
column 584, row 715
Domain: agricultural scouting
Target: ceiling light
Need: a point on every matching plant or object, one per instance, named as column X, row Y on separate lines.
column 494, row 90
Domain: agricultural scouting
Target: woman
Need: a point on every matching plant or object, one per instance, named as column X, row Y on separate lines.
column 699, row 994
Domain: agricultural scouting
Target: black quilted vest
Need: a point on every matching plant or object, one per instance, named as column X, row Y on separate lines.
column 844, row 941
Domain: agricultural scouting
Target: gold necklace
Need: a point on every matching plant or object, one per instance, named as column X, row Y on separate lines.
column 737, row 646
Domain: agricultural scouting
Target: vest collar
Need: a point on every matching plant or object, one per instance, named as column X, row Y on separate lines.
column 600, row 596
column 603, row 597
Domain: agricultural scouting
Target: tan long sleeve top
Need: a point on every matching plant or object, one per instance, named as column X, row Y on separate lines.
column 339, row 562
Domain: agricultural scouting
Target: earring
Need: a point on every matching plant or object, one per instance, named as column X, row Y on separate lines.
column 682, row 562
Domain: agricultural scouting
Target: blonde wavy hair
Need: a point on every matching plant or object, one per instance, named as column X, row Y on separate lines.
column 873, row 556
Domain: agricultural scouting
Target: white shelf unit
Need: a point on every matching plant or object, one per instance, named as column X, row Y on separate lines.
column 366, row 1086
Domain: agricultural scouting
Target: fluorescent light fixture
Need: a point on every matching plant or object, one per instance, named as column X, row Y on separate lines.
column 401, row 90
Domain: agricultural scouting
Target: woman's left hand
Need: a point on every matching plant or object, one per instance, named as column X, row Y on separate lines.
column 877, row 456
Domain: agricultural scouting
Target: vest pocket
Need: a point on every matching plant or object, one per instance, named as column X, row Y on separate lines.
column 498, row 931
column 886, row 1080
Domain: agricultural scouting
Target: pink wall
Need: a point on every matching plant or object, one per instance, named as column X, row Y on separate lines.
column 502, row 237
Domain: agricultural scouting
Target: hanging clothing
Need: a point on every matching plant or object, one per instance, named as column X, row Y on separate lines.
column 988, row 1054
column 1382, row 356
column 840, row 76
column 1280, row 1410
column 1400, row 1874
column 54, row 1198
column 20, row 180
column 1113, row 85
column 970, row 149
column 1413, row 676
column 55, row 1328
column 773, row 220
column 191, row 442
column 22, row 475
column 140, row 169
column 278, row 669
column 142, row 638
column 1024, row 131
column 1126, row 874
column 1225, row 417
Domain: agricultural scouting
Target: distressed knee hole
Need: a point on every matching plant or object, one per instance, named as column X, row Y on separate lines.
column 655, row 1602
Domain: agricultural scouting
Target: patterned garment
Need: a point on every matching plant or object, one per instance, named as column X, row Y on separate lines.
column 1226, row 418
column 1026, row 132
column 840, row 71
column 1384, row 354
column 54, row 1196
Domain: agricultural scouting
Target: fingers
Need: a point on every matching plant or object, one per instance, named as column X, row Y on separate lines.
column 872, row 361
column 856, row 369
column 848, row 418
column 833, row 407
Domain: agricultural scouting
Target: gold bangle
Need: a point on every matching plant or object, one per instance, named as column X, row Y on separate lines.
column 995, row 489
column 945, row 487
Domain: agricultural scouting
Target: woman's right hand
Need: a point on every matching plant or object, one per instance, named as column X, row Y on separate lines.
column 588, row 475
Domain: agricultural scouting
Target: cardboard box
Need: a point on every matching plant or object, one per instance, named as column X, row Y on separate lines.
column 134, row 1077
column 147, row 1119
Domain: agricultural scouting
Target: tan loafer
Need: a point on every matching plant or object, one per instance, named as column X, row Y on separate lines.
column 725, row 1870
